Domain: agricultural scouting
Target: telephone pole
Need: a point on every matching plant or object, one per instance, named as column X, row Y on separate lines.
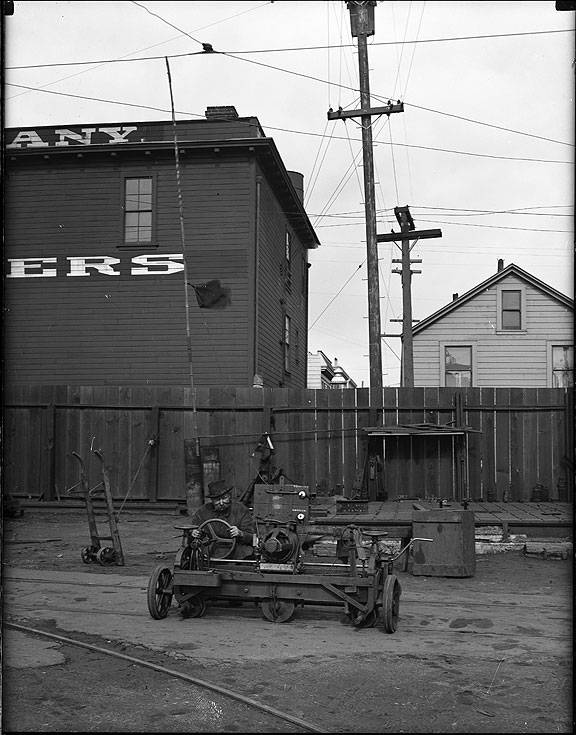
column 407, row 234
column 362, row 26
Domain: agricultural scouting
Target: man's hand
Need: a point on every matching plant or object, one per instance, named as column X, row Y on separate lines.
column 235, row 531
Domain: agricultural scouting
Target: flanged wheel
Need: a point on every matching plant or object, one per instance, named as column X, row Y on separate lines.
column 86, row 555
column 278, row 611
column 194, row 608
column 160, row 592
column 105, row 555
column 389, row 603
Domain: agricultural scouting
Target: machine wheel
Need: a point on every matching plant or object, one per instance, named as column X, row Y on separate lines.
column 390, row 603
column 277, row 611
column 194, row 608
column 86, row 555
column 160, row 592
column 105, row 555
column 223, row 545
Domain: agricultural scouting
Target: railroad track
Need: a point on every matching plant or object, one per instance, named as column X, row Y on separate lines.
column 172, row 673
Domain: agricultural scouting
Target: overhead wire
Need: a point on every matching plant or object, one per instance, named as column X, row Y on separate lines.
column 125, row 58
column 308, row 76
column 121, row 103
column 275, row 50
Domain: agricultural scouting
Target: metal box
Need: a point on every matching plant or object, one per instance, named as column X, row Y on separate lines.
column 452, row 552
column 282, row 503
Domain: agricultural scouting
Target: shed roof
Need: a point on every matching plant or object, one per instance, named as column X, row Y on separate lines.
column 424, row 429
column 511, row 269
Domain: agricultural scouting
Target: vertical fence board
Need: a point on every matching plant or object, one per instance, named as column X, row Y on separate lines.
column 558, row 443
column 487, row 456
column 349, row 453
column 414, row 399
column 544, row 439
column 445, row 445
column 391, row 449
column 336, row 482
column 530, row 444
column 306, row 473
column 430, row 445
column 362, row 421
column 473, row 442
column 502, row 444
column 516, row 492
column 322, row 443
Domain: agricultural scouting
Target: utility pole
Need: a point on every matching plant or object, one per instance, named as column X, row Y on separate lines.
column 407, row 234
column 362, row 26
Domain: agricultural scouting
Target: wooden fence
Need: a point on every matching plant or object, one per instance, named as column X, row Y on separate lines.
column 525, row 439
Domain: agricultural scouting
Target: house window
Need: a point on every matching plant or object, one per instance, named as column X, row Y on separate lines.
column 511, row 314
column 138, row 210
column 286, row 343
column 286, row 267
column 288, row 247
column 297, row 346
column 562, row 366
column 458, row 366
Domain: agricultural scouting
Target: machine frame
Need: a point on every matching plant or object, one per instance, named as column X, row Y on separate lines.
column 280, row 578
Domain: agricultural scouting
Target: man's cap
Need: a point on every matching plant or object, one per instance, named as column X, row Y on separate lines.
column 217, row 488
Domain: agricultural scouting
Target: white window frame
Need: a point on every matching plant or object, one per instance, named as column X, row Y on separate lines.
column 549, row 345
column 457, row 343
column 510, row 287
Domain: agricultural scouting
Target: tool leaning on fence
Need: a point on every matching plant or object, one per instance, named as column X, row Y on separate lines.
column 96, row 552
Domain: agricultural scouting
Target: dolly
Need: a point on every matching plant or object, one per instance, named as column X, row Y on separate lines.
column 279, row 578
column 96, row 552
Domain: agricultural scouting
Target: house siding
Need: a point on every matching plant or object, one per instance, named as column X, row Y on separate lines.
column 125, row 329
column 504, row 359
column 275, row 299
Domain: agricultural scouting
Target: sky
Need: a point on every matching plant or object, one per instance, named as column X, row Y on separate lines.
column 484, row 149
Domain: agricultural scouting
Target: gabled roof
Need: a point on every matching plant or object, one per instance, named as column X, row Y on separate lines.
column 510, row 270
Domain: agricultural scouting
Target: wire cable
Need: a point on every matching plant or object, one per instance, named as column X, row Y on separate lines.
column 283, row 130
column 283, row 49
column 337, row 294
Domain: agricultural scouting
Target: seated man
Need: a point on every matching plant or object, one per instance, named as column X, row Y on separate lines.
column 221, row 505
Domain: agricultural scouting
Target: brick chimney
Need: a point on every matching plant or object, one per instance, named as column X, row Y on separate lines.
column 454, row 296
column 221, row 113
column 500, row 264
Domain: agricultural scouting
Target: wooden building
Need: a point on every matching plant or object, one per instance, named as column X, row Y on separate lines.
column 510, row 331
column 94, row 256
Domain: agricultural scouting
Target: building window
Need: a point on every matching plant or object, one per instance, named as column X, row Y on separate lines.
column 562, row 366
column 511, row 315
column 286, row 343
column 288, row 247
column 458, row 366
column 511, row 309
column 138, row 210
column 286, row 266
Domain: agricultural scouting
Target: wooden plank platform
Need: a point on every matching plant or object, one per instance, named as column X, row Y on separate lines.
column 510, row 516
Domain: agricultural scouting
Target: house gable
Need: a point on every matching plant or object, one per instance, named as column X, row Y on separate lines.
column 498, row 357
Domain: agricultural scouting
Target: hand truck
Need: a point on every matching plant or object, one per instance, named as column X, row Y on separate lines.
column 96, row 552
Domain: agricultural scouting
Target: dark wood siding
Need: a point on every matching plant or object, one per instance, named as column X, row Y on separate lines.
column 277, row 297
column 126, row 329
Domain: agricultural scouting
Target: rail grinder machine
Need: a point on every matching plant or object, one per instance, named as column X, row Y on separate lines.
column 282, row 574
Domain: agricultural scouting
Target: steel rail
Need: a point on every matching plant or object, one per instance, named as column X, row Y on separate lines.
column 175, row 674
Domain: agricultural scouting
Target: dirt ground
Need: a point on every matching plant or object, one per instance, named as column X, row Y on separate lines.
column 489, row 653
